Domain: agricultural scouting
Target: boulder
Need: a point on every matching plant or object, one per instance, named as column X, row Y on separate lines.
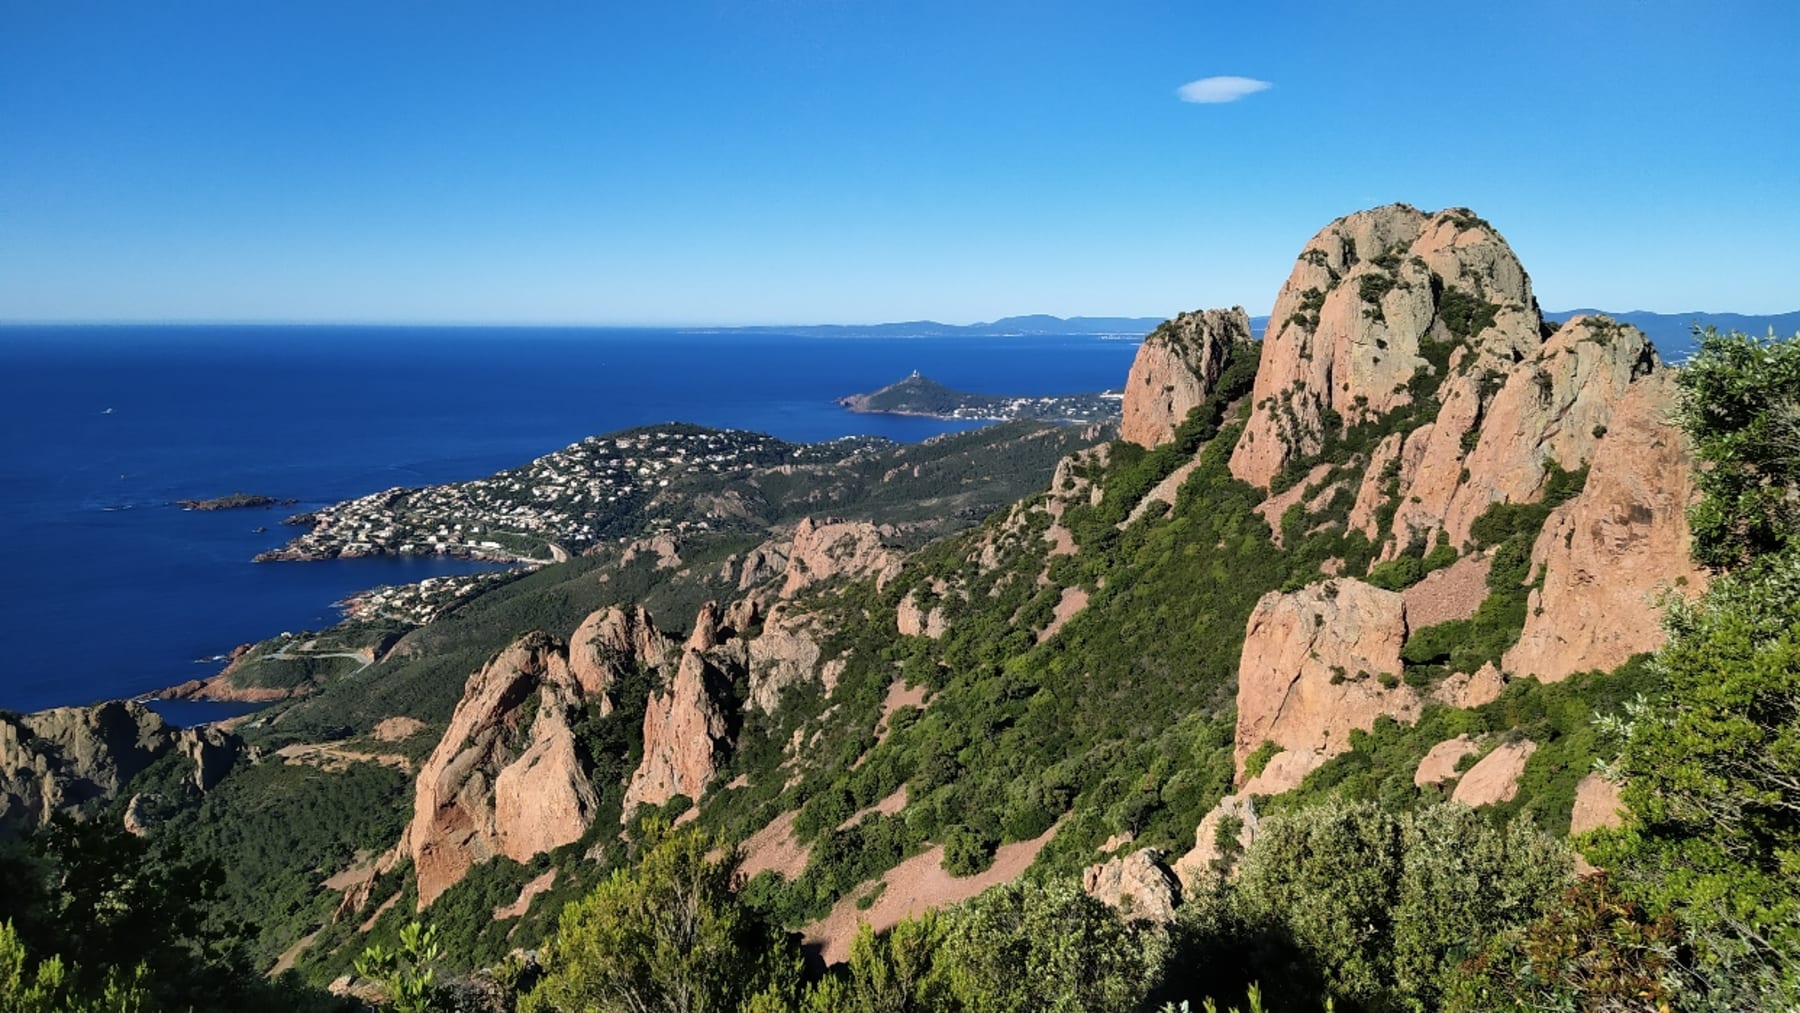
column 1175, row 370
column 1597, row 805
column 1483, row 686
column 1439, row 764
column 1495, row 777
column 1139, row 886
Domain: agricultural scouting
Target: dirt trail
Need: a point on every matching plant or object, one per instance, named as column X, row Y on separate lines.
column 773, row 848
column 331, row 756
column 913, row 886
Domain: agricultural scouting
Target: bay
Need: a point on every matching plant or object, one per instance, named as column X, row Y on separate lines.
column 109, row 590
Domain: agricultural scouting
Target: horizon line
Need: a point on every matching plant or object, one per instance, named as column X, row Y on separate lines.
column 707, row 326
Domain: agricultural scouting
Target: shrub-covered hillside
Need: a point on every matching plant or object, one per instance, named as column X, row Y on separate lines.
column 1332, row 689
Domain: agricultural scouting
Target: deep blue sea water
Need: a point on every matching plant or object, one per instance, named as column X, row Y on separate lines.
column 108, row 590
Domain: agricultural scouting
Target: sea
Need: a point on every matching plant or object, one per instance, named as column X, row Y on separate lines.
column 109, row 590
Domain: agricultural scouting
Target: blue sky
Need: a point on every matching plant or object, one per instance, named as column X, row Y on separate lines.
column 771, row 161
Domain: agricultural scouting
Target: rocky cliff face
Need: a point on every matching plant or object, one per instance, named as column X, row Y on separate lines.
column 787, row 652
column 1552, row 407
column 823, row 550
column 1370, row 298
column 1137, row 885
column 1175, row 369
column 1425, row 324
column 1394, row 309
column 504, row 780
column 609, row 643
column 685, row 735
column 1607, row 553
column 62, row 759
column 1317, row 663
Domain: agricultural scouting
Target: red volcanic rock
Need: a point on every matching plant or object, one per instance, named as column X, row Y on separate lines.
column 1175, row 369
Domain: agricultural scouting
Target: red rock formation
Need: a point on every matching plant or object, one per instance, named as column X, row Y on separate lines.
column 914, row 620
column 1347, row 326
column 609, row 643
column 705, row 636
column 786, row 653
column 1454, row 592
column 543, row 800
column 1597, row 805
column 684, row 737
column 1495, row 778
column 1608, row 553
column 1137, row 885
column 1551, row 407
column 1440, row 762
column 1312, row 664
column 826, row 549
column 1175, row 369
column 1201, row 863
column 1482, row 686
column 486, row 789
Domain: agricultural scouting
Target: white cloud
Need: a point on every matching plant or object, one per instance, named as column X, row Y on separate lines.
column 1221, row 89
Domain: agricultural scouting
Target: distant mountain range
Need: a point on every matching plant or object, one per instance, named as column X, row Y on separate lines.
column 1034, row 324
column 1671, row 332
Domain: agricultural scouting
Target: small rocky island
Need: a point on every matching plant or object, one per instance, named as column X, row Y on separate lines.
column 920, row 395
column 235, row 501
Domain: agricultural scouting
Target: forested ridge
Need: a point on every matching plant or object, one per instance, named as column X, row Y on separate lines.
column 1070, row 677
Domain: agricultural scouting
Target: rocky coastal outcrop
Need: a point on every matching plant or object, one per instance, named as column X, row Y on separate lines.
column 63, row 759
column 505, row 779
column 1175, row 369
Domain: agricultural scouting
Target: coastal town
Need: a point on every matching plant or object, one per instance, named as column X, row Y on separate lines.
column 420, row 602
column 560, row 504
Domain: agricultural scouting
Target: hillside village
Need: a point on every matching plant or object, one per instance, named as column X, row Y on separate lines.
column 555, row 506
